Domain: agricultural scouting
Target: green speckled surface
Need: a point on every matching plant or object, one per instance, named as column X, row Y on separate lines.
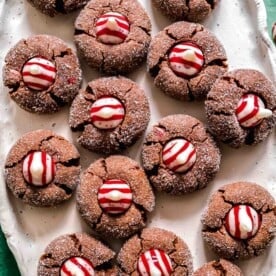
column 8, row 265
column 271, row 13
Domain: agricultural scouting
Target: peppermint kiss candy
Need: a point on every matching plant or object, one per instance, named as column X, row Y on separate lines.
column 154, row 262
column 77, row 266
column 107, row 113
column 112, row 28
column 242, row 222
column 115, row 196
column 39, row 73
column 186, row 59
column 179, row 155
column 39, row 168
column 251, row 110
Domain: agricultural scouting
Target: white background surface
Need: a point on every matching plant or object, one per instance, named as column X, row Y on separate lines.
column 29, row 230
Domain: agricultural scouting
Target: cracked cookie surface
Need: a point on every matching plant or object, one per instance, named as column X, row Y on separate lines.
column 214, row 230
column 77, row 245
column 113, row 59
column 192, row 10
column 115, row 167
column 66, row 158
column 67, row 80
column 196, row 87
column 53, row 7
column 222, row 102
column 160, row 239
column 207, row 155
column 136, row 118
column 218, row 268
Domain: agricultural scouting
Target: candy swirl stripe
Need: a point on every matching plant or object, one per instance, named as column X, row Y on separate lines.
column 247, row 110
column 239, row 217
column 44, row 75
column 38, row 168
column 115, row 196
column 114, row 34
column 179, row 148
column 154, row 262
column 107, row 113
column 182, row 66
column 77, row 266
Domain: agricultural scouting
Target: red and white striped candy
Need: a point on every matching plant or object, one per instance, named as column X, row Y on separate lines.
column 115, row 196
column 107, row 113
column 39, row 73
column 112, row 28
column 242, row 222
column 77, row 266
column 39, row 168
column 186, row 59
column 179, row 155
column 251, row 110
column 154, row 262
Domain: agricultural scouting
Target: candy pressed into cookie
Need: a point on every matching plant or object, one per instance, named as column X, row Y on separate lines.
column 185, row 59
column 113, row 36
column 42, row 73
column 193, row 10
column 53, row 7
column 77, row 254
column 241, row 107
column 114, row 196
column 179, row 156
column 155, row 251
column 42, row 168
column 111, row 114
column 240, row 220
column 217, row 268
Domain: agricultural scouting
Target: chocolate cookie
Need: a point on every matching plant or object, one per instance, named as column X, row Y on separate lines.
column 193, row 10
column 114, row 196
column 241, row 107
column 54, row 7
column 179, row 156
column 112, row 113
column 42, row 73
column 218, row 268
column 77, row 254
column 113, row 36
column 155, row 252
column 240, row 220
column 185, row 59
column 42, row 168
